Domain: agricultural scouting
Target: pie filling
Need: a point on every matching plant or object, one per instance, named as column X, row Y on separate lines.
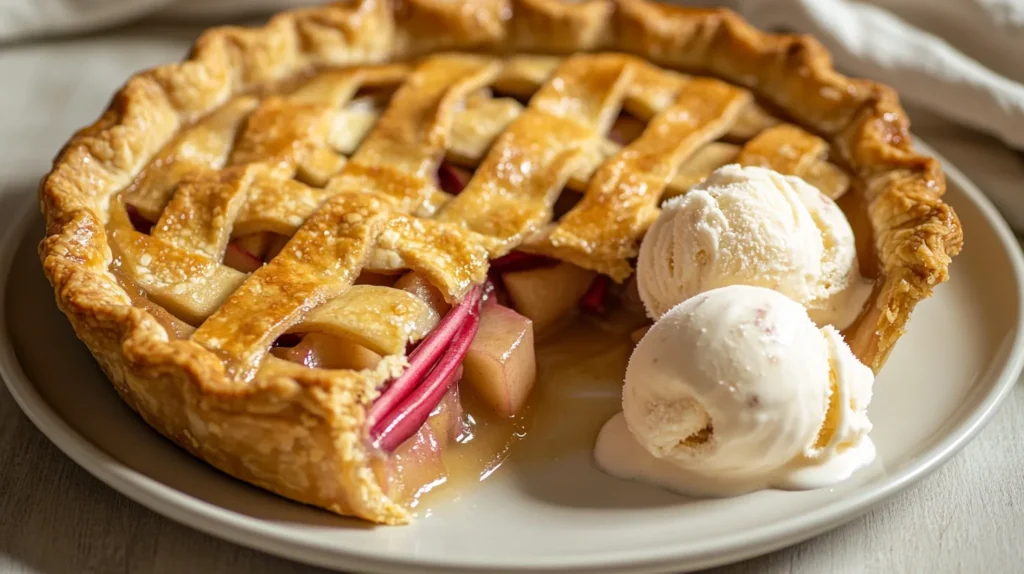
column 466, row 397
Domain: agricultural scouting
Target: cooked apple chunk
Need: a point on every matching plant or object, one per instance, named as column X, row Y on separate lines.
column 421, row 287
column 547, row 295
column 448, row 417
column 237, row 257
column 500, row 364
column 256, row 244
column 317, row 350
column 414, row 466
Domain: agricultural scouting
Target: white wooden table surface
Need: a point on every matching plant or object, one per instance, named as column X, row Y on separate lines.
column 56, row 518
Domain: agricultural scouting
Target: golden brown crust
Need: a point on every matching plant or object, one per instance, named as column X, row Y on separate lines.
column 299, row 432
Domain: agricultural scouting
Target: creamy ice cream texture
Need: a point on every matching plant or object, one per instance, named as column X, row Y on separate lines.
column 737, row 389
column 753, row 226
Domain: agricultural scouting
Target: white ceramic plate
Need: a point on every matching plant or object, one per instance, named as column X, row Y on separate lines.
column 959, row 359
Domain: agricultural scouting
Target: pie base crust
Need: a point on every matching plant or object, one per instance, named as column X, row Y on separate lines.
column 302, row 438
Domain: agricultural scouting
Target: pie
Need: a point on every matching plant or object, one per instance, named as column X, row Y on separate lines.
column 287, row 250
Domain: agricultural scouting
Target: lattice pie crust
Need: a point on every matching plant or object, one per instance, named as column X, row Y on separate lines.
column 328, row 126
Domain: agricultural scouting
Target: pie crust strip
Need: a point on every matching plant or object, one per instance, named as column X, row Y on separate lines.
column 790, row 150
column 512, row 192
column 629, row 185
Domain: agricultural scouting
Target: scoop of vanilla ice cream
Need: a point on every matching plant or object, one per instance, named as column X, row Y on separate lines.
column 738, row 382
column 749, row 226
column 846, row 421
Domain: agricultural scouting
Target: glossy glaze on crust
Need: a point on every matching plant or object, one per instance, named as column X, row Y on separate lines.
column 299, row 432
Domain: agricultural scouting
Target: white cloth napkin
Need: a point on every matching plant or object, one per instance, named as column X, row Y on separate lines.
column 959, row 59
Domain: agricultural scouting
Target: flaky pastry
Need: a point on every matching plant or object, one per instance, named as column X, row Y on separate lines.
column 327, row 127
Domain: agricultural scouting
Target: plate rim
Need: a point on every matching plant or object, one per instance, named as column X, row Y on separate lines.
column 253, row 533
